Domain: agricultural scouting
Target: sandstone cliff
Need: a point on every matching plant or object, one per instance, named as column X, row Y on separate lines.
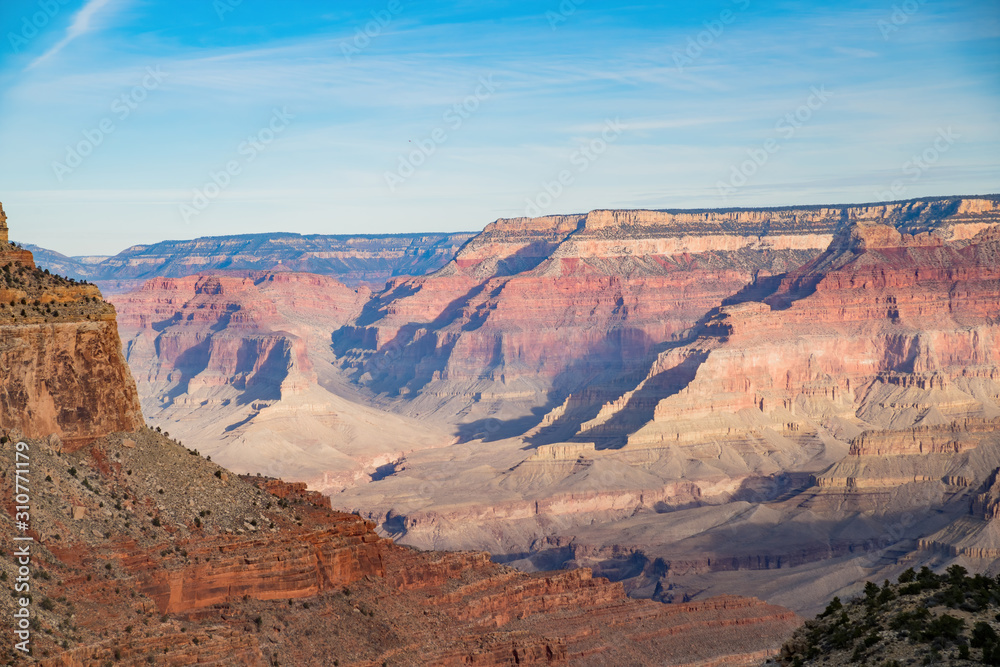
column 532, row 311
column 61, row 365
column 838, row 413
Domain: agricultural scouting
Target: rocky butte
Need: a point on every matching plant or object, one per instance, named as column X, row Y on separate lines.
column 241, row 367
column 144, row 552
column 61, row 367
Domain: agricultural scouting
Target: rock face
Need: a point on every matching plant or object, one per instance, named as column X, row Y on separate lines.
column 239, row 366
column 61, row 366
column 354, row 260
column 533, row 308
column 219, row 330
column 296, row 566
column 865, row 380
column 252, row 571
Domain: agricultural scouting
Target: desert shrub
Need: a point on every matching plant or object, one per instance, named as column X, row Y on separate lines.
column 832, row 608
column 912, row 622
column 871, row 590
column 945, row 626
column 983, row 634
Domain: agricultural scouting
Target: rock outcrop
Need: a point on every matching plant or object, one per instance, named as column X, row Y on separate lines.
column 251, row 571
column 61, row 365
column 533, row 308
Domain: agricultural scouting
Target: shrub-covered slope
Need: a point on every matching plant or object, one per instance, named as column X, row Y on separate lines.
column 924, row 618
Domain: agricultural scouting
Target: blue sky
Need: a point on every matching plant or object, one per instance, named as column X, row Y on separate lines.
column 132, row 121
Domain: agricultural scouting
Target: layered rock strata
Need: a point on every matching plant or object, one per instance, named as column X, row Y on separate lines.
column 240, row 366
column 251, row 571
column 535, row 306
column 354, row 260
column 61, row 365
column 837, row 413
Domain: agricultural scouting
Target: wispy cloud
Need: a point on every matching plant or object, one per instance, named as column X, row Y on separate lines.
column 357, row 119
column 855, row 53
column 81, row 25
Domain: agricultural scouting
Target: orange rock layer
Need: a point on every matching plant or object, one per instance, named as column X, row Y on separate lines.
column 61, row 367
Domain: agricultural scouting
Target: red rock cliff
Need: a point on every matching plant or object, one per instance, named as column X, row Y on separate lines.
column 61, row 367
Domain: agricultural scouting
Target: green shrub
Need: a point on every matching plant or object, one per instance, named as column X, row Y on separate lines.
column 832, row 608
column 983, row 634
column 945, row 627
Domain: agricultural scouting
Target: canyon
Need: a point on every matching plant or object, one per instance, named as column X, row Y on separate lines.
column 240, row 366
column 144, row 551
column 775, row 402
column 254, row 571
column 823, row 426
column 740, row 413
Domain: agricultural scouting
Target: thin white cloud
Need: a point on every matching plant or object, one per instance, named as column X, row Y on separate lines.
column 81, row 25
column 855, row 53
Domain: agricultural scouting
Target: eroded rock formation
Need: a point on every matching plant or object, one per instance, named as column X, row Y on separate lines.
column 865, row 380
column 240, row 367
column 61, row 365
column 665, row 396
column 531, row 308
